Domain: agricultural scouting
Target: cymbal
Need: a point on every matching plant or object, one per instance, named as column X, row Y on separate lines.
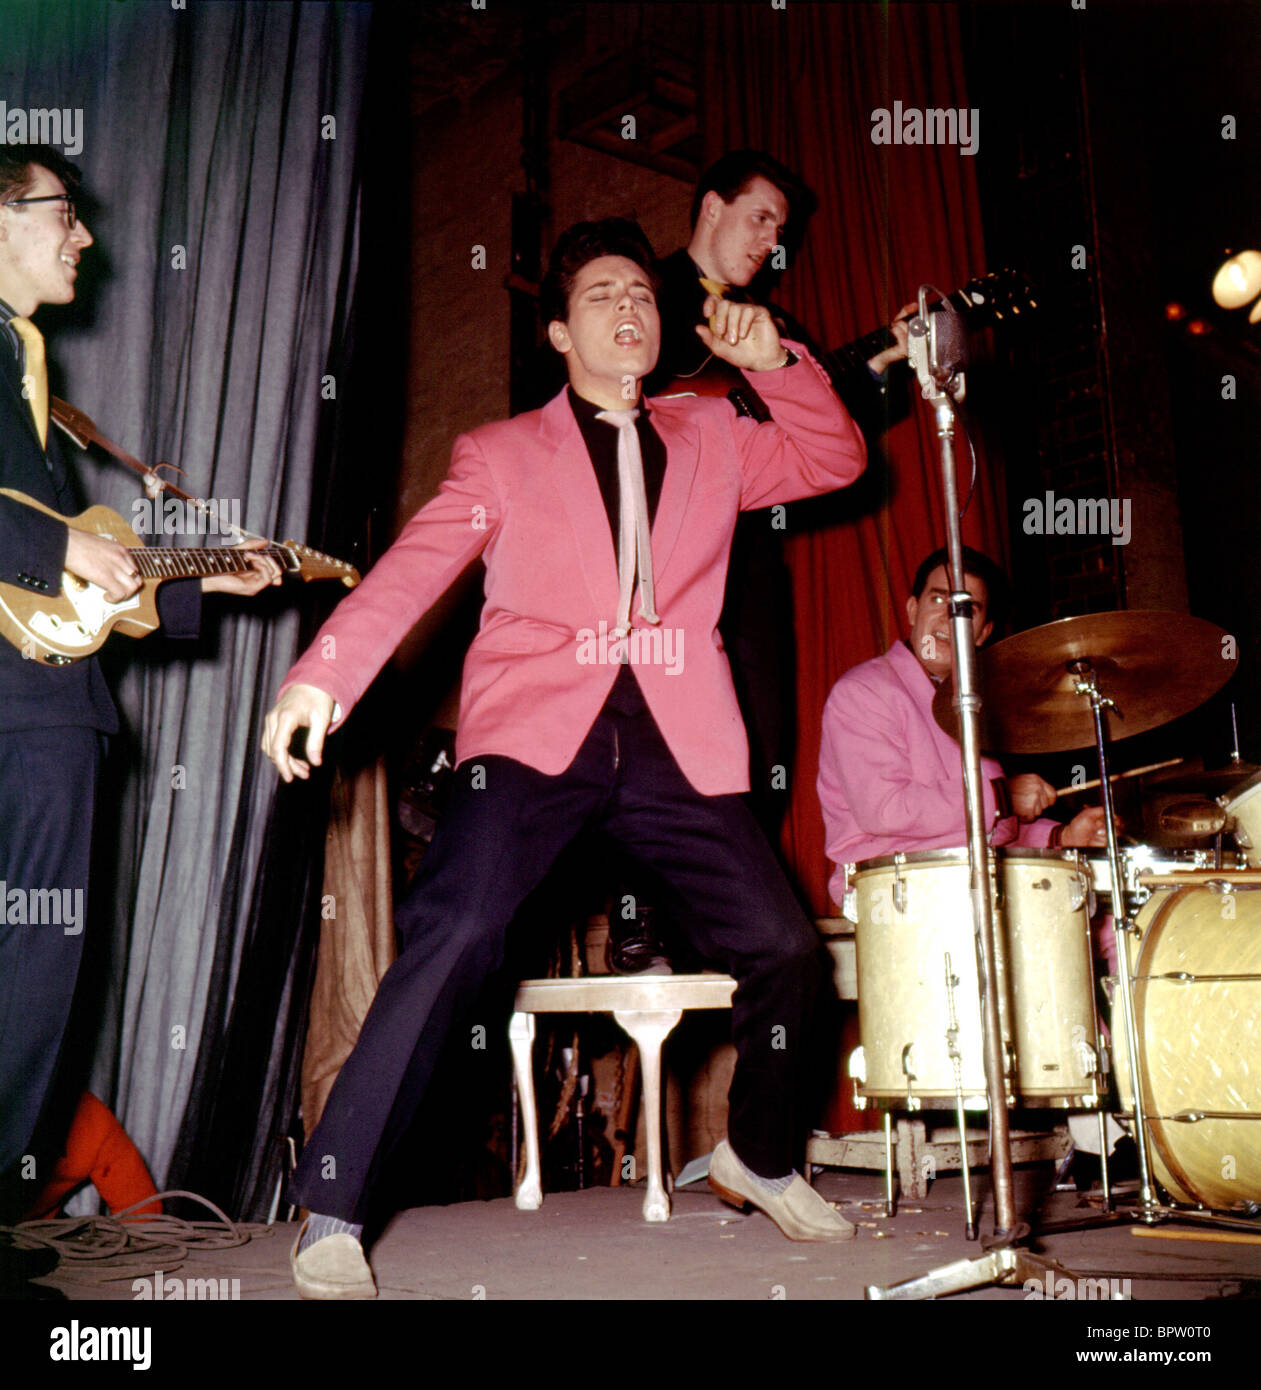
column 1214, row 782
column 1154, row 665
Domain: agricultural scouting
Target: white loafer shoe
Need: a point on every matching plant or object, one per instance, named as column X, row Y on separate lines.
column 799, row 1211
column 334, row 1267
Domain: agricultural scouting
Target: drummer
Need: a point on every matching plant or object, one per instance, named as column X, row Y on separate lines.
column 890, row 779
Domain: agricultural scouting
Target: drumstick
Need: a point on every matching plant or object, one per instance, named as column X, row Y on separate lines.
column 1116, row 777
column 1230, row 1237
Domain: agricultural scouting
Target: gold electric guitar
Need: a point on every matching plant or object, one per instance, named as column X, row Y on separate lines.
column 61, row 628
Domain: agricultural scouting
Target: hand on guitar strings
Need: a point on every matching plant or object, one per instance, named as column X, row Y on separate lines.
column 742, row 334
column 300, row 708
column 898, row 352
column 103, row 562
column 263, row 571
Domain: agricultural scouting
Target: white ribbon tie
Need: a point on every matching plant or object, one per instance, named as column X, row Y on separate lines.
column 634, row 544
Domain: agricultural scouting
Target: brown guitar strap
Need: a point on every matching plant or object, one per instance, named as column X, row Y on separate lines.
column 83, row 431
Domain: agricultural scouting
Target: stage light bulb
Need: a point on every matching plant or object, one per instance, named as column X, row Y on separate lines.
column 1238, row 281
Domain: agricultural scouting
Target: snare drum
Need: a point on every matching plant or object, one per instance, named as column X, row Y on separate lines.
column 1146, row 859
column 1243, row 805
column 1197, row 1007
column 917, row 977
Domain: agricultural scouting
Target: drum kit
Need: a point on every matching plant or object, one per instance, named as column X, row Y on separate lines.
column 1184, row 1040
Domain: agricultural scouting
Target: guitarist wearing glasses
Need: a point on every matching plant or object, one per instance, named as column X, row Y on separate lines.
column 745, row 206
column 54, row 718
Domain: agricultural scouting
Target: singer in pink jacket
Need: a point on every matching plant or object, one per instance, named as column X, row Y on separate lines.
column 595, row 693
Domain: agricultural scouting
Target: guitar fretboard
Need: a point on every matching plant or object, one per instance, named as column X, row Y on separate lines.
column 175, row 562
column 849, row 356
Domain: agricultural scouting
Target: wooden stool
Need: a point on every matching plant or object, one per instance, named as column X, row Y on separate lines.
column 645, row 1006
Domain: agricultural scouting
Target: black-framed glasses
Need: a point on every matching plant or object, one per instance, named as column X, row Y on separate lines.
column 71, row 218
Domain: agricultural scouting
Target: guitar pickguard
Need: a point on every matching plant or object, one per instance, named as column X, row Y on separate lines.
column 92, row 611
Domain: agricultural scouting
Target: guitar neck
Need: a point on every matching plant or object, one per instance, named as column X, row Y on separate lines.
column 850, row 356
column 176, row 562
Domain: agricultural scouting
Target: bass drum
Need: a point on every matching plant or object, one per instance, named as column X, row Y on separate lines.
column 917, row 977
column 1197, row 1017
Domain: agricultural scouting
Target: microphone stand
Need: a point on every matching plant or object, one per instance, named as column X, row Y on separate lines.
column 937, row 349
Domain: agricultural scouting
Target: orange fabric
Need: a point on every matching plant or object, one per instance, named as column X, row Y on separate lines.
column 97, row 1148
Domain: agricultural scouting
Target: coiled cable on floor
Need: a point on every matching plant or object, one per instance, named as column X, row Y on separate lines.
column 103, row 1249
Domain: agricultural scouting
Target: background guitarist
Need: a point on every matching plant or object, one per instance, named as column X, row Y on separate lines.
column 746, row 204
column 53, row 720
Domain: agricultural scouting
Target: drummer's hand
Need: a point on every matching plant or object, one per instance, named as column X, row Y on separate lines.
column 1030, row 795
column 1087, row 829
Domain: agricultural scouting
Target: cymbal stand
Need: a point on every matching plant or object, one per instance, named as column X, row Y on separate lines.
column 1087, row 685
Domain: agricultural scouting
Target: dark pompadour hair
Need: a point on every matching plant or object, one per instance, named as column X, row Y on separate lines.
column 585, row 242
column 997, row 589
column 16, row 174
column 731, row 174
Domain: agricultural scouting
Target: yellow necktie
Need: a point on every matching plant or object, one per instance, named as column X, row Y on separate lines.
column 713, row 286
column 35, row 381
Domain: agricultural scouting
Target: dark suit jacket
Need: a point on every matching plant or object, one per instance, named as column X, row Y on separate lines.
column 756, row 621
column 32, row 552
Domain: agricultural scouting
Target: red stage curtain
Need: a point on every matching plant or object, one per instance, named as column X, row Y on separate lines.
column 802, row 83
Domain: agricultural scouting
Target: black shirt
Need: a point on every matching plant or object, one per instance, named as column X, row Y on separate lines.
column 600, row 438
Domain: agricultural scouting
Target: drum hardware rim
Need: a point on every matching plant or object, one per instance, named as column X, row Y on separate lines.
column 1193, row 1117
column 912, row 1101
column 956, row 1059
column 1184, row 977
column 1085, row 885
column 947, row 854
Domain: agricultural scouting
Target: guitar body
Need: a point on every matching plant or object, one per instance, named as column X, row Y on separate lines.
column 60, row 628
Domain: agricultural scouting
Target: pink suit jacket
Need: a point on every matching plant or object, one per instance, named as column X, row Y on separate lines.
column 890, row 778
column 523, row 493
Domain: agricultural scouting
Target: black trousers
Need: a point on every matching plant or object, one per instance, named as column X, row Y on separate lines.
column 47, row 790
column 505, row 825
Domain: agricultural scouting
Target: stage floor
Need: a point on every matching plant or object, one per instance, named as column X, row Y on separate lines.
column 595, row 1245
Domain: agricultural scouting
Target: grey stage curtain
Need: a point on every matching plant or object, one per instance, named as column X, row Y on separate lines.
column 219, row 144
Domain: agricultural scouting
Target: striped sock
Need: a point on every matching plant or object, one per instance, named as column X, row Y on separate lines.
column 320, row 1226
column 774, row 1187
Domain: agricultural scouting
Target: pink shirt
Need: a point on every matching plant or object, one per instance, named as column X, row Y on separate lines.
column 890, row 778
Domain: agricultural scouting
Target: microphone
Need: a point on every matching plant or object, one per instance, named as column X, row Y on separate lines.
column 937, row 346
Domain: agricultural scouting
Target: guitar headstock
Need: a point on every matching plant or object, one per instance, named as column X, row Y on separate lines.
column 1001, row 296
column 314, row 564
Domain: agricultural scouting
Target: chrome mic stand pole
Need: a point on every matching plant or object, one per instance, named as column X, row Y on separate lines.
column 938, row 364
column 968, row 707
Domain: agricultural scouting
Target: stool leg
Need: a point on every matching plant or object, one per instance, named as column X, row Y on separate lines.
column 529, row 1195
column 649, row 1030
